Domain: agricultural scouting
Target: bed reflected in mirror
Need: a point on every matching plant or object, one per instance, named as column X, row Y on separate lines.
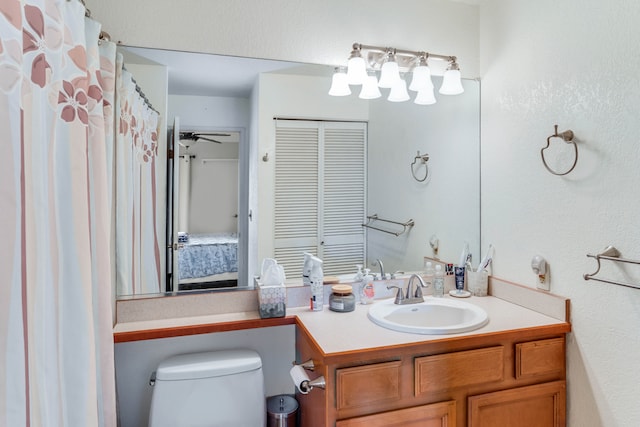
column 207, row 209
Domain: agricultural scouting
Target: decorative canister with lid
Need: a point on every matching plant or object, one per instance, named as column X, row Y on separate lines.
column 342, row 299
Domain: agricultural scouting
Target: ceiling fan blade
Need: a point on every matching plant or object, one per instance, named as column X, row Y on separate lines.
column 211, row 133
column 188, row 135
column 207, row 139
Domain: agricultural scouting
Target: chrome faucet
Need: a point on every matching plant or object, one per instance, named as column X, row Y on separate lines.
column 410, row 296
column 382, row 276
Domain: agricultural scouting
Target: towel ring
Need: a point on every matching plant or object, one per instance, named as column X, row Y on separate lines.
column 567, row 136
column 424, row 158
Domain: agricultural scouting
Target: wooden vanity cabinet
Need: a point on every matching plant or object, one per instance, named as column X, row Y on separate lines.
column 502, row 379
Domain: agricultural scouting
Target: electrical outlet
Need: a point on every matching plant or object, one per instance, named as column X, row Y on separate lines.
column 543, row 282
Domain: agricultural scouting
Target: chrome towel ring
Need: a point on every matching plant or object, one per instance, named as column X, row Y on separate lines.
column 424, row 158
column 567, row 136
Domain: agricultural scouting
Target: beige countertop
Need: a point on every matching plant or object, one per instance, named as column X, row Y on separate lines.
column 511, row 308
column 343, row 332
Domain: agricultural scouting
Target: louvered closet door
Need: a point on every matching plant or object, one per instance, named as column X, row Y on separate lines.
column 320, row 193
column 343, row 197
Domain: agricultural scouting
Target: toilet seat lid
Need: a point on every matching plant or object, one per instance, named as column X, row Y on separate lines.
column 207, row 364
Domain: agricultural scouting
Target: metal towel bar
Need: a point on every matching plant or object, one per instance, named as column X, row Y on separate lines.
column 610, row 253
column 375, row 217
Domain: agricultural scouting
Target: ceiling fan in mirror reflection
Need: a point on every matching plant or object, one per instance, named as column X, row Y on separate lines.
column 190, row 138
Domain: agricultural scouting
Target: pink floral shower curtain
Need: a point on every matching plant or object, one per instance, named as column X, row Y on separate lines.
column 56, row 118
column 139, row 269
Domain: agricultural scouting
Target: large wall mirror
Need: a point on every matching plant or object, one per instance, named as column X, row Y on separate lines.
column 228, row 111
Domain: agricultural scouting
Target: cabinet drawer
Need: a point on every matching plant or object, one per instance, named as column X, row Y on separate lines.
column 435, row 414
column 543, row 357
column 541, row 405
column 464, row 368
column 367, row 385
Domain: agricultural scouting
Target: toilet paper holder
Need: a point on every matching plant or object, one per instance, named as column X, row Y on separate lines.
column 308, row 365
column 308, row 385
column 302, row 381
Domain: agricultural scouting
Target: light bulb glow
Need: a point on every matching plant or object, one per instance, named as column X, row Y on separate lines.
column 356, row 71
column 370, row 88
column 389, row 74
column 339, row 85
column 451, row 83
column 425, row 97
column 421, row 78
column 399, row 92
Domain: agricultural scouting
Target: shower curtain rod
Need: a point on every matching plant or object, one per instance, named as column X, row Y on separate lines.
column 104, row 36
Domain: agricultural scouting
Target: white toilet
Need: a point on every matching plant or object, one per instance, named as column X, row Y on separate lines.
column 212, row 389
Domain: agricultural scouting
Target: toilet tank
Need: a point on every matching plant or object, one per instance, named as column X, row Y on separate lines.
column 213, row 389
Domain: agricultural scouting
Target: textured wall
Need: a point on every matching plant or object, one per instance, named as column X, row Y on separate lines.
column 574, row 63
column 319, row 32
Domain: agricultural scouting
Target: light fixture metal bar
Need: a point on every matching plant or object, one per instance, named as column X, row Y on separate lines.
column 403, row 52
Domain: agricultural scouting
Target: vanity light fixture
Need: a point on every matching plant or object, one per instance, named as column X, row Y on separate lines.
column 451, row 84
column 339, row 85
column 421, row 75
column 366, row 61
column 356, row 68
column 398, row 92
column 370, row 89
column 389, row 72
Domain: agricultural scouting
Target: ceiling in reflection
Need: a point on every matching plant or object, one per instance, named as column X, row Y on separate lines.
column 213, row 75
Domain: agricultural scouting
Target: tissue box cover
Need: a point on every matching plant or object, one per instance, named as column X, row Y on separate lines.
column 272, row 300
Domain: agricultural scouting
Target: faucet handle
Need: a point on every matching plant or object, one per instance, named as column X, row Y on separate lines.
column 399, row 294
column 418, row 293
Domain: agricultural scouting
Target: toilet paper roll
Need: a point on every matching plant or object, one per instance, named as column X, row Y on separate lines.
column 299, row 375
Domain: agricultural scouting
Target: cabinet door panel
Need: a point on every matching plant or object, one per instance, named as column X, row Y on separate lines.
column 542, row 357
column 441, row 414
column 367, row 385
column 541, row 405
column 460, row 369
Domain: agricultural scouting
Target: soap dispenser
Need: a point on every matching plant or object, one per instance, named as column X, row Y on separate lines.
column 367, row 292
column 358, row 277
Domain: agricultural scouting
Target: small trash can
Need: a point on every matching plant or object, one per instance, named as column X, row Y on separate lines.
column 282, row 411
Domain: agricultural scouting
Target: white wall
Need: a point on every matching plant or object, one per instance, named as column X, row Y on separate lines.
column 320, row 32
column 573, row 63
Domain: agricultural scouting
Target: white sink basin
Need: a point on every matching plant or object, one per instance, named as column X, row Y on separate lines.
column 435, row 316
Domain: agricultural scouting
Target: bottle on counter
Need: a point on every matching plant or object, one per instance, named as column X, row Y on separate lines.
column 317, row 286
column 438, row 282
column 367, row 293
column 429, row 274
column 358, row 277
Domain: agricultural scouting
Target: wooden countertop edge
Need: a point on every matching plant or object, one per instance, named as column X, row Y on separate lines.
column 445, row 343
column 206, row 328
column 236, row 325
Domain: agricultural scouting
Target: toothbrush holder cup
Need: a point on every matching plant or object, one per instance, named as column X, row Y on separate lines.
column 478, row 282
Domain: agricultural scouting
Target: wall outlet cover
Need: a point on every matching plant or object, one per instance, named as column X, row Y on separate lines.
column 543, row 283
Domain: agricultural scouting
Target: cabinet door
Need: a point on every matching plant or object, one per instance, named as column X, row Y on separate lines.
column 541, row 405
column 441, row 414
column 368, row 386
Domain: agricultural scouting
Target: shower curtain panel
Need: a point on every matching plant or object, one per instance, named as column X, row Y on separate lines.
column 56, row 120
column 138, row 265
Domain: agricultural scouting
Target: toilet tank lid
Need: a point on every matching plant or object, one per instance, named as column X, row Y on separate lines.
column 208, row 364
